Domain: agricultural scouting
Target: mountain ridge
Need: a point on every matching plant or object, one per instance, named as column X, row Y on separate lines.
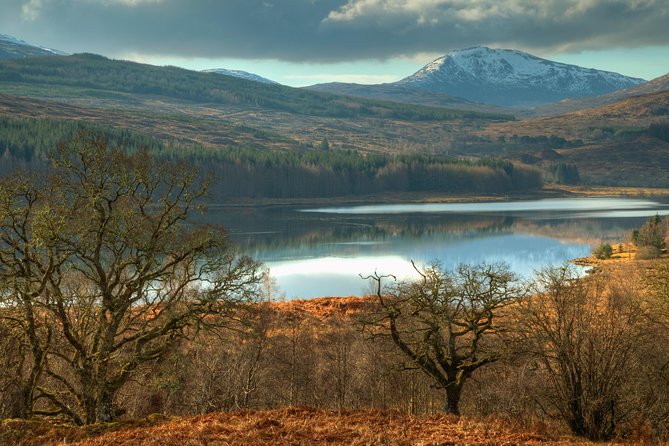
column 512, row 78
column 477, row 77
column 12, row 47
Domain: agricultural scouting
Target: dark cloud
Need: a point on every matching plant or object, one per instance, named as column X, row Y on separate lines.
column 332, row 30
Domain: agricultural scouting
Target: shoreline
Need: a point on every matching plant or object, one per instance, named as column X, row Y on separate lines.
column 550, row 191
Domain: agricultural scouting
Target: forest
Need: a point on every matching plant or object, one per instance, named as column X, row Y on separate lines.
column 255, row 172
column 116, row 305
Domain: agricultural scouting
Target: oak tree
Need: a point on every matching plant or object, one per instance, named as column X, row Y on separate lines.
column 106, row 270
column 444, row 321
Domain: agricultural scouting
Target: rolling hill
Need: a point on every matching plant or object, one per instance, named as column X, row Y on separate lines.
column 219, row 111
column 569, row 105
column 391, row 92
column 93, row 76
column 617, row 141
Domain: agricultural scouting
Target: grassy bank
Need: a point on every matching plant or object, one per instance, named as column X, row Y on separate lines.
column 550, row 191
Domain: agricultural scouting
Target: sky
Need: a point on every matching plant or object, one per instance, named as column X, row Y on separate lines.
column 303, row 42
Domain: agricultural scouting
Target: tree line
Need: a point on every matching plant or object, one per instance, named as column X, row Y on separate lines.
column 249, row 173
column 252, row 172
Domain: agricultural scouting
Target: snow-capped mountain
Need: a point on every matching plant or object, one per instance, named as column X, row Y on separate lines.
column 12, row 48
column 512, row 78
column 241, row 74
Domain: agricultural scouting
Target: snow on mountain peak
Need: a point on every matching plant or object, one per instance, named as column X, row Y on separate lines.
column 481, row 73
column 14, row 40
column 11, row 47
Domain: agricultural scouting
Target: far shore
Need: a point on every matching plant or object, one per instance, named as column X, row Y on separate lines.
column 549, row 191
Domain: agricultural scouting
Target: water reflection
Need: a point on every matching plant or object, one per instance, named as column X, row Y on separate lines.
column 322, row 252
column 508, row 207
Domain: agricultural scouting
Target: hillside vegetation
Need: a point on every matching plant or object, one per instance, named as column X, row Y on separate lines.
column 92, row 75
column 624, row 143
column 252, row 172
column 183, row 108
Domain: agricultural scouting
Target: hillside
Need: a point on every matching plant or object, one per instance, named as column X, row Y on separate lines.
column 569, row 105
column 392, row 92
column 182, row 108
column 628, row 113
column 615, row 145
column 263, row 162
column 93, row 76
column 222, row 127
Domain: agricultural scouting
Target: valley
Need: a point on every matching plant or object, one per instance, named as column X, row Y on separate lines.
column 204, row 255
column 218, row 112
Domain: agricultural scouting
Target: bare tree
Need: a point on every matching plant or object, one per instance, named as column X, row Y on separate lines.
column 104, row 258
column 25, row 265
column 442, row 321
column 587, row 336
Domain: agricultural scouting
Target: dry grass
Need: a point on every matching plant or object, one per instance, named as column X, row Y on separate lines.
column 622, row 253
column 226, row 125
column 38, row 432
column 628, row 112
column 326, row 307
column 608, row 191
column 298, row 426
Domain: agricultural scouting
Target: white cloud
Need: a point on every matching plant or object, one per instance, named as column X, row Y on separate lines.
column 31, row 9
column 431, row 11
column 332, row 31
column 348, row 78
column 133, row 2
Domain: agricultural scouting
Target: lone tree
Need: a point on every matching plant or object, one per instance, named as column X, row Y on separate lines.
column 443, row 321
column 102, row 270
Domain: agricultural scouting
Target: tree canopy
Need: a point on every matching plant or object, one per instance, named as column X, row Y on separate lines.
column 102, row 270
column 443, row 321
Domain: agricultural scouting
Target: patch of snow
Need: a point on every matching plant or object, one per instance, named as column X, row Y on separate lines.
column 27, row 48
column 14, row 40
column 510, row 68
column 241, row 74
column 52, row 51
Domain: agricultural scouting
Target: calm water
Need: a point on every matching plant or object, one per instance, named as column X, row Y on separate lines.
column 321, row 251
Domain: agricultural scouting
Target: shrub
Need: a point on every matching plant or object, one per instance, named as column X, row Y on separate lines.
column 648, row 252
column 603, row 251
